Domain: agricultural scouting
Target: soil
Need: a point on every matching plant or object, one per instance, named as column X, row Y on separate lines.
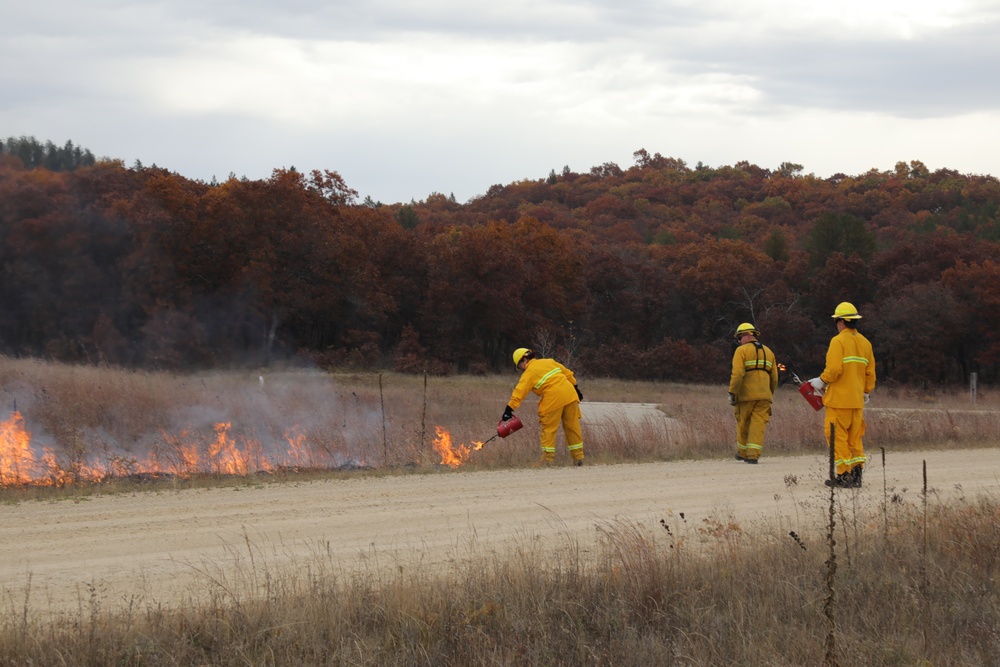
column 167, row 546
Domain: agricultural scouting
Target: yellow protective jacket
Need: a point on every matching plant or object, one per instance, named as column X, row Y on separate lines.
column 755, row 373
column 850, row 370
column 549, row 379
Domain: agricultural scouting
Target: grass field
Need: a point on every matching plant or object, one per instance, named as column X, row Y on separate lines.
column 89, row 424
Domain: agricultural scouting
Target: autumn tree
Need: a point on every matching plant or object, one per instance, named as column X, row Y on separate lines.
column 726, row 282
column 59, row 266
column 838, row 233
column 976, row 287
column 651, row 266
column 921, row 334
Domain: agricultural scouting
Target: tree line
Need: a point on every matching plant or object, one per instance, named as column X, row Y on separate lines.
column 640, row 273
column 32, row 153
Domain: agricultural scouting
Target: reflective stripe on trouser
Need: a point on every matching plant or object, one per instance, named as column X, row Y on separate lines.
column 569, row 417
column 751, row 421
column 848, row 450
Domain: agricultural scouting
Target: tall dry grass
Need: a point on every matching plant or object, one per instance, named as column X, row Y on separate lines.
column 925, row 592
column 114, row 420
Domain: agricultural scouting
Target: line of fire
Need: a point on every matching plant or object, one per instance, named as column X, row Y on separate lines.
column 23, row 463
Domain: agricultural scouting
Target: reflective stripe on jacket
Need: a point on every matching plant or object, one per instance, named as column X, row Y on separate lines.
column 755, row 373
column 550, row 380
column 850, row 370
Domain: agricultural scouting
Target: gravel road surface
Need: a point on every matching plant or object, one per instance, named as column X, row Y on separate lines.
column 165, row 546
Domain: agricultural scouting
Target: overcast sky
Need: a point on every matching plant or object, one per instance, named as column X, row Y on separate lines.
column 407, row 98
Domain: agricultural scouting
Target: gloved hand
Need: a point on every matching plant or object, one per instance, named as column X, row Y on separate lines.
column 732, row 398
column 818, row 385
column 508, row 412
column 868, row 397
column 579, row 394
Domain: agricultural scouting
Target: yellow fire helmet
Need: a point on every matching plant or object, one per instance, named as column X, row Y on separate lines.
column 518, row 353
column 745, row 328
column 846, row 311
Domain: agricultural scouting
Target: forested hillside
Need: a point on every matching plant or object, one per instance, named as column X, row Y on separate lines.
column 639, row 272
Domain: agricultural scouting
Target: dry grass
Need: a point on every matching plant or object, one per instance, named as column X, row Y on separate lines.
column 113, row 423
column 668, row 594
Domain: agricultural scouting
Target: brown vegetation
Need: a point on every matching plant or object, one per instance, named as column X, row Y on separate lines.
column 640, row 273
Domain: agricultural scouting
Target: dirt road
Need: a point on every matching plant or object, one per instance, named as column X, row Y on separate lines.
column 162, row 547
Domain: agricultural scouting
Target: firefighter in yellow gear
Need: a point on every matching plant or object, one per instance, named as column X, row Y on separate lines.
column 559, row 402
column 751, row 388
column 846, row 382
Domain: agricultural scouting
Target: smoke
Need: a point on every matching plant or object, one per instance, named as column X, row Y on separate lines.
column 99, row 423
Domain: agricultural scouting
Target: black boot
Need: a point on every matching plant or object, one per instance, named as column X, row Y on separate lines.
column 847, row 480
column 842, row 481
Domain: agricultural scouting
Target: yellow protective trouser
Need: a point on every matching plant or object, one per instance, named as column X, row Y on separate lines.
column 751, row 420
column 849, row 423
column 569, row 416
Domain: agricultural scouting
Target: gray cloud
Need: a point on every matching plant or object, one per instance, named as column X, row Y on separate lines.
column 405, row 99
column 942, row 74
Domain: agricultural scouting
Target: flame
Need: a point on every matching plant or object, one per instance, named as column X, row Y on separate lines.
column 182, row 455
column 297, row 456
column 451, row 455
column 17, row 460
column 224, row 456
column 178, row 456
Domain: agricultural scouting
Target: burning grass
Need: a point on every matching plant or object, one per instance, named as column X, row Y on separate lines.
column 922, row 590
column 103, row 427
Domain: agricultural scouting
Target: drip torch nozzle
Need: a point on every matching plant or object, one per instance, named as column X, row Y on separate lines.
column 504, row 428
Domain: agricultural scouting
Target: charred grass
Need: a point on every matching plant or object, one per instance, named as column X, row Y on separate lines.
column 920, row 589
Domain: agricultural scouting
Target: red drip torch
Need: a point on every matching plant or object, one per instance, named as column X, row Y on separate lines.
column 815, row 398
column 505, row 428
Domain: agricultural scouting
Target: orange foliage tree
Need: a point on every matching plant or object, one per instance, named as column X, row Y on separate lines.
column 650, row 266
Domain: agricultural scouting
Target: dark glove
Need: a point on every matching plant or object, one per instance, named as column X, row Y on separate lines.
column 508, row 412
column 579, row 394
column 732, row 399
